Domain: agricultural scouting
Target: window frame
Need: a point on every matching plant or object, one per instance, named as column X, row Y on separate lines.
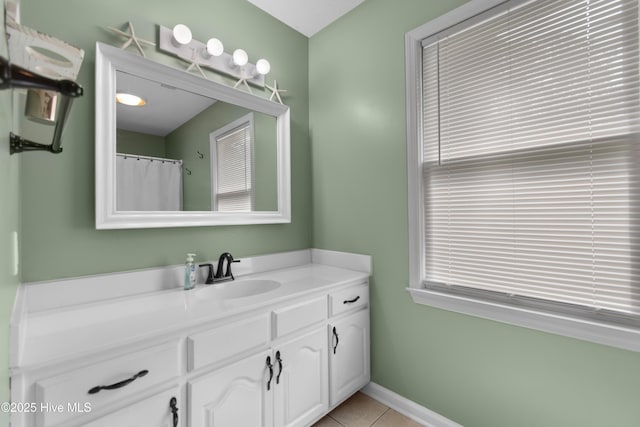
column 565, row 324
column 213, row 142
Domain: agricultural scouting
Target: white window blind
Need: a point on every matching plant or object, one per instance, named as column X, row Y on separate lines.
column 234, row 180
column 531, row 158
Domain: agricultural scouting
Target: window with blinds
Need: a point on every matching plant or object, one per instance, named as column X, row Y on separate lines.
column 530, row 167
column 233, row 184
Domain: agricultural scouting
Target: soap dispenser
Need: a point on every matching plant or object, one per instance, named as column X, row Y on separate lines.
column 189, row 273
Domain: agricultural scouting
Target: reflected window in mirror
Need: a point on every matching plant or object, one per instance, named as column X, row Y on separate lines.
column 232, row 159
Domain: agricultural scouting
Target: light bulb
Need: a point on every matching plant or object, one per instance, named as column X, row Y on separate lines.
column 215, row 47
column 263, row 67
column 240, row 57
column 130, row 99
column 181, row 35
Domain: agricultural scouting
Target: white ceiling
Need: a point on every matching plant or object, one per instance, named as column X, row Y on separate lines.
column 167, row 107
column 306, row 16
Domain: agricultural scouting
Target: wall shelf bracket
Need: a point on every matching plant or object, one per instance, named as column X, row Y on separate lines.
column 18, row 144
column 41, row 64
column 13, row 76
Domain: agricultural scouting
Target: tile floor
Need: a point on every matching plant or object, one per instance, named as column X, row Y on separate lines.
column 362, row 411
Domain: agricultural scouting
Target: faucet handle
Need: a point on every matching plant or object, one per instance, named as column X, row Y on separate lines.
column 228, row 272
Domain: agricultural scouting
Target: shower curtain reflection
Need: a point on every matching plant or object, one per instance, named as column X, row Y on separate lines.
column 148, row 183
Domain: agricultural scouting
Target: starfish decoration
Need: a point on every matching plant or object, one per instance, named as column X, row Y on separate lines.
column 193, row 64
column 132, row 39
column 275, row 91
column 243, row 80
column 197, row 67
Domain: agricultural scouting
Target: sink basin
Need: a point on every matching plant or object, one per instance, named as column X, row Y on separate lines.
column 238, row 288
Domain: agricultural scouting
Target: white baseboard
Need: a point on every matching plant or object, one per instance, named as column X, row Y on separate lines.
column 407, row 407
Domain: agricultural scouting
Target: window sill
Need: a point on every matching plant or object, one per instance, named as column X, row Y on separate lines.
column 601, row 333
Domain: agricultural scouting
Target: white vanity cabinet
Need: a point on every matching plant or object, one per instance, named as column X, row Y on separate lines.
column 349, row 340
column 287, row 386
column 187, row 361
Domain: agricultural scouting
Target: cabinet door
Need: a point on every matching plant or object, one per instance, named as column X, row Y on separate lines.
column 152, row 412
column 302, row 384
column 233, row 396
column 349, row 355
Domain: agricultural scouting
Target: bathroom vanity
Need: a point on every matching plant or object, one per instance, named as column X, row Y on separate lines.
column 275, row 347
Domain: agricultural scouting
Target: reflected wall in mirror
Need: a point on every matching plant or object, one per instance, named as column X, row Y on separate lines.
column 196, row 153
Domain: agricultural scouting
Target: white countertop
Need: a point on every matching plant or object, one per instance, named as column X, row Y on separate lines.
column 56, row 335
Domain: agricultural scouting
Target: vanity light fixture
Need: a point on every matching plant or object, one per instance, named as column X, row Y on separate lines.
column 214, row 48
column 181, row 35
column 240, row 57
column 130, row 99
column 263, row 67
column 179, row 42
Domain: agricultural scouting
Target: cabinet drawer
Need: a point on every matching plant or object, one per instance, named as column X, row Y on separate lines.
column 72, row 388
column 351, row 298
column 224, row 342
column 293, row 318
column 154, row 411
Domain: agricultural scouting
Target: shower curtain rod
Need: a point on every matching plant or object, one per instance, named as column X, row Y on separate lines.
column 140, row 157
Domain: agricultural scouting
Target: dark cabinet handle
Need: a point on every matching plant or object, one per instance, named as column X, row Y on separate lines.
column 173, row 404
column 335, row 334
column 351, row 301
column 270, row 366
column 279, row 365
column 119, row 384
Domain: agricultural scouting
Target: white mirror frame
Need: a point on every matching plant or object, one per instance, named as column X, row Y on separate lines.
column 109, row 60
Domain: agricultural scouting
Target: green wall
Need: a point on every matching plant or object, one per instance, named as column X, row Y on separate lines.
column 143, row 144
column 473, row 371
column 9, row 223
column 57, row 211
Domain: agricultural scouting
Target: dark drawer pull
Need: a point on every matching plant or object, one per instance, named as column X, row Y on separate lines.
column 119, row 384
column 173, row 404
column 280, row 365
column 270, row 366
column 351, row 301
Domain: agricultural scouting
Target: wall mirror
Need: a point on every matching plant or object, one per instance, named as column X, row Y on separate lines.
column 196, row 152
